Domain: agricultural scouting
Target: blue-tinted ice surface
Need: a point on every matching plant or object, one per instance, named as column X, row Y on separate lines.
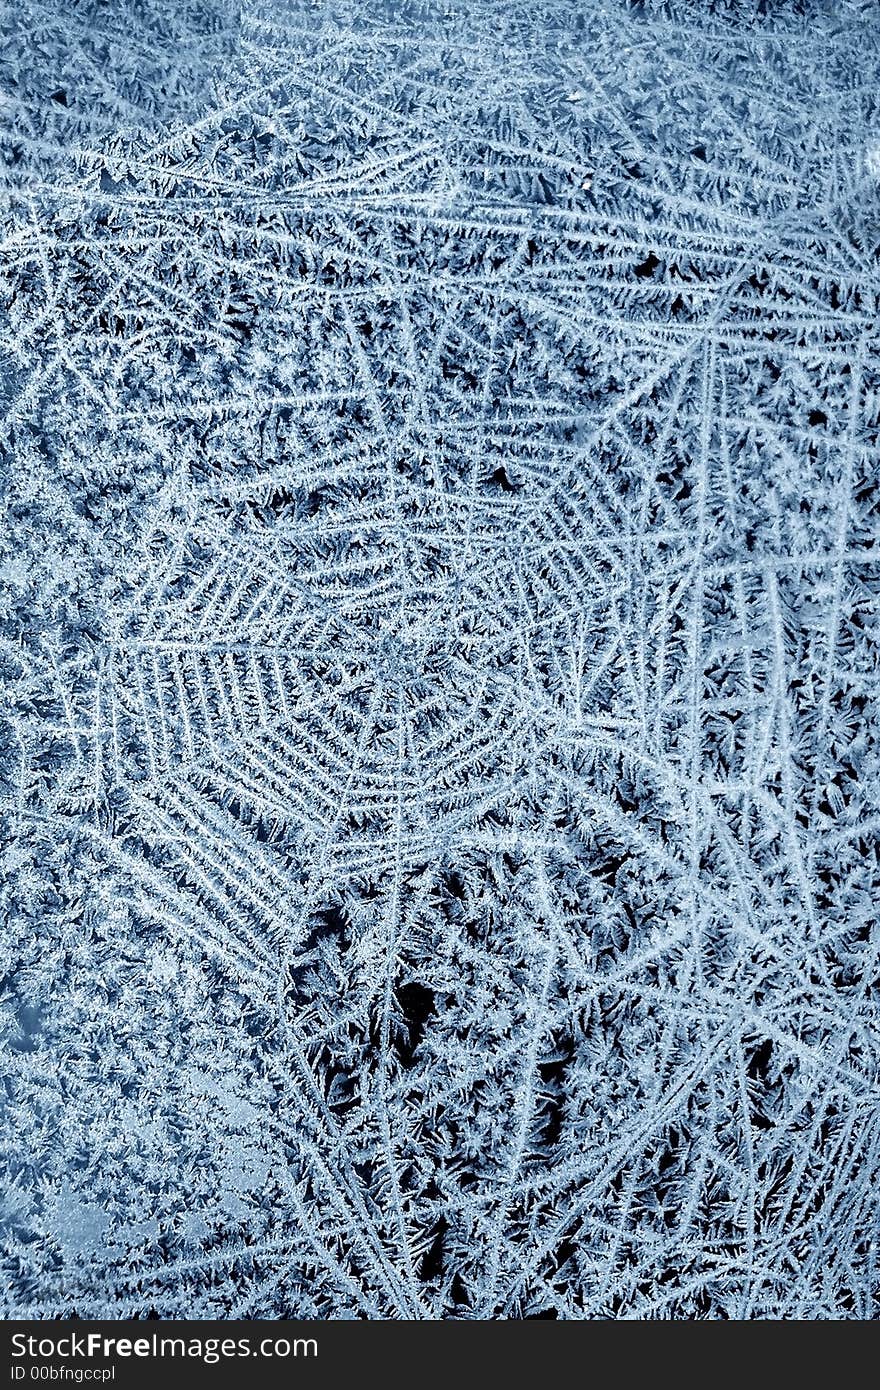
column 439, row 652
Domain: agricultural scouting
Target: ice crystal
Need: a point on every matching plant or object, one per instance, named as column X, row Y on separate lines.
column 439, row 653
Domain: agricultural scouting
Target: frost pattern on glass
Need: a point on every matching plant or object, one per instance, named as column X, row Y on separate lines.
column 439, row 652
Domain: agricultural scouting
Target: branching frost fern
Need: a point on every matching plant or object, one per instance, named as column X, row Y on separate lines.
column 439, row 654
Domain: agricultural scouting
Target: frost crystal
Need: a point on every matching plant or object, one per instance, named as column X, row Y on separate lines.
column 438, row 639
